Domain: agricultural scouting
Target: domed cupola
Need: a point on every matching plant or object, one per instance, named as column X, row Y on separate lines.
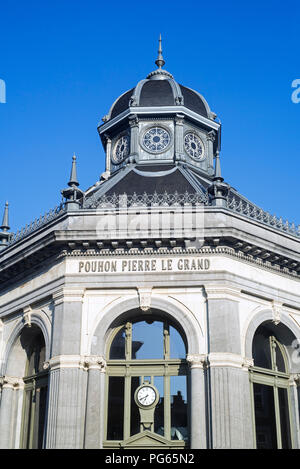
column 160, row 121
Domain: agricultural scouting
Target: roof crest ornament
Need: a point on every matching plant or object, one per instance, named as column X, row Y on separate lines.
column 160, row 60
column 159, row 74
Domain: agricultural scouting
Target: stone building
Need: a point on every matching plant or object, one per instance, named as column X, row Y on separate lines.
column 157, row 309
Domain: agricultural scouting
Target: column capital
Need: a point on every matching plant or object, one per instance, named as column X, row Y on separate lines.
column 218, row 292
column 95, row 362
column 84, row 362
column 223, row 359
column 197, row 360
column 11, row 382
column 68, row 295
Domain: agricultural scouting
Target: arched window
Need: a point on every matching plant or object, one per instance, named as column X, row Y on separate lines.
column 270, row 387
column 147, row 390
column 35, row 392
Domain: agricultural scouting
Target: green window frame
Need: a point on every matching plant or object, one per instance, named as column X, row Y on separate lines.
column 271, row 402
column 137, row 371
column 35, row 394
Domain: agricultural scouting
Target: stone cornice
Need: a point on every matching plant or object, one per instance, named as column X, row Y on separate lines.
column 116, row 250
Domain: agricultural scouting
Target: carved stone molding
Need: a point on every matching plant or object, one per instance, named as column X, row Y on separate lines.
column 197, row 360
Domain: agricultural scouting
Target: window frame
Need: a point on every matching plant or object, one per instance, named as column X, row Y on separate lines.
column 128, row 368
column 277, row 380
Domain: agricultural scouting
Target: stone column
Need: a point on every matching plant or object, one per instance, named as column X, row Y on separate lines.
column 230, row 399
column 134, row 138
column 68, row 376
column 94, row 420
column 179, row 155
column 108, row 154
column 10, row 412
column 198, row 414
column 228, row 376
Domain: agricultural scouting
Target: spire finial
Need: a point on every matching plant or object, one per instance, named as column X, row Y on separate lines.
column 73, row 178
column 218, row 175
column 5, row 223
column 160, row 60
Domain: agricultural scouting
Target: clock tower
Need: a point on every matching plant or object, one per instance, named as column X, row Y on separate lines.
column 160, row 122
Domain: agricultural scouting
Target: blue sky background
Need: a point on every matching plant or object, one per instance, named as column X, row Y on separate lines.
column 65, row 62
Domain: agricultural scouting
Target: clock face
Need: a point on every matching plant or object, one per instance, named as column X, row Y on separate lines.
column 156, row 139
column 194, row 147
column 121, row 150
column 146, row 396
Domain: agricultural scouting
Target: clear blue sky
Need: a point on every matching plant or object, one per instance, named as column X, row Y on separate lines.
column 64, row 63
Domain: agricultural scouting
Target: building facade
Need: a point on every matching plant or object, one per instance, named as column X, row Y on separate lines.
column 157, row 309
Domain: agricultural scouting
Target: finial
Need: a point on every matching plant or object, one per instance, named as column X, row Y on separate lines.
column 73, row 178
column 218, row 175
column 160, row 60
column 5, row 223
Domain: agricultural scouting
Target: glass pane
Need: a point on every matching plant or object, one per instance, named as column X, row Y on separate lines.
column 159, row 410
column 39, row 418
column 284, row 418
column 279, row 360
column 265, row 422
column 177, row 347
column 27, row 419
column 179, row 427
column 261, row 349
column 115, row 416
column 135, row 414
column 117, row 349
column 147, row 340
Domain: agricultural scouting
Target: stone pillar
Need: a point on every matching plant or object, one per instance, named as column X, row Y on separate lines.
column 94, row 420
column 134, row 138
column 230, row 402
column 179, row 154
column 108, row 154
column 10, row 414
column 198, row 414
column 68, row 376
column 229, row 385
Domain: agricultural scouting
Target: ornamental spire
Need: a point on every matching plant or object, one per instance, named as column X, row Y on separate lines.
column 5, row 223
column 160, row 60
column 218, row 176
column 73, row 178
column 4, row 228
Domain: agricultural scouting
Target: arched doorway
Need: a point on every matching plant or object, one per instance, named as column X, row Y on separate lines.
column 147, row 384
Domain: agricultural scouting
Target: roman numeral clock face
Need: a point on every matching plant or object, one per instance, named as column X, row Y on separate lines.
column 121, row 149
column 146, row 396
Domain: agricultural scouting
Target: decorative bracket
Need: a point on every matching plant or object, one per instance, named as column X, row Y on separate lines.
column 27, row 313
column 276, row 312
column 145, row 298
